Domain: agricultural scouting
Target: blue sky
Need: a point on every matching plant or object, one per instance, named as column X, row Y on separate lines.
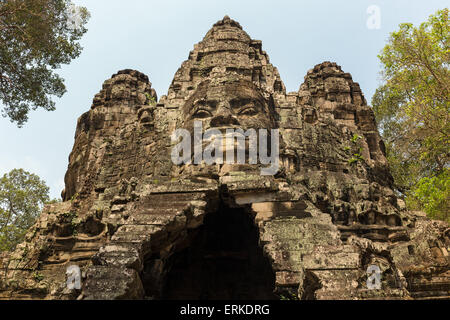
column 155, row 37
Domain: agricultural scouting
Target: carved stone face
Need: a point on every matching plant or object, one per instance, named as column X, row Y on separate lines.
column 229, row 104
column 233, row 104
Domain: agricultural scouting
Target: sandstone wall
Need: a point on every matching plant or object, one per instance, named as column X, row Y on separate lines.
column 328, row 214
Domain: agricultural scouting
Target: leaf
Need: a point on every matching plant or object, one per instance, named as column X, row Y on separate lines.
column 22, row 196
column 35, row 40
column 412, row 105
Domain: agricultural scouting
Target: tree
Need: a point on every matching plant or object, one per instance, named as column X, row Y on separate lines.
column 412, row 110
column 22, row 196
column 36, row 37
column 432, row 195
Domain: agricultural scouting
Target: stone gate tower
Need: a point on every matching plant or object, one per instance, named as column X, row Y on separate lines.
column 140, row 226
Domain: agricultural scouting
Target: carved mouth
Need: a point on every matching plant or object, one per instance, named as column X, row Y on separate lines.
column 234, row 148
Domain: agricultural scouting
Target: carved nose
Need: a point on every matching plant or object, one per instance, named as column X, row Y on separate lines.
column 223, row 120
column 223, row 117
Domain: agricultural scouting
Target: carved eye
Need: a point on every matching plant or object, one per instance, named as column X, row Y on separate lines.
column 248, row 111
column 201, row 113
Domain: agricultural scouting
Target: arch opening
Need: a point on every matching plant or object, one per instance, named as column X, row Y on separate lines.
column 222, row 261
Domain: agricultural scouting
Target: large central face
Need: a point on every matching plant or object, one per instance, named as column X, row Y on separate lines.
column 225, row 105
column 233, row 104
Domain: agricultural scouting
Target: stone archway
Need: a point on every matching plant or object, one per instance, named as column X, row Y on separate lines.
column 223, row 260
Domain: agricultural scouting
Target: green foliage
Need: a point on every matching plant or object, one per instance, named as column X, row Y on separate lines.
column 74, row 197
column 356, row 156
column 151, row 99
column 412, row 106
column 36, row 37
column 355, row 138
column 53, row 201
column 433, row 195
column 38, row 277
column 22, row 196
column 288, row 294
column 71, row 218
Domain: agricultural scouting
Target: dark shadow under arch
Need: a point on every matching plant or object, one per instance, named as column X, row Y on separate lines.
column 223, row 261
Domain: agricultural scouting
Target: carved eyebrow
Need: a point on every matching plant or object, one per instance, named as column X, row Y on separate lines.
column 205, row 103
column 202, row 104
column 200, row 109
column 243, row 102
